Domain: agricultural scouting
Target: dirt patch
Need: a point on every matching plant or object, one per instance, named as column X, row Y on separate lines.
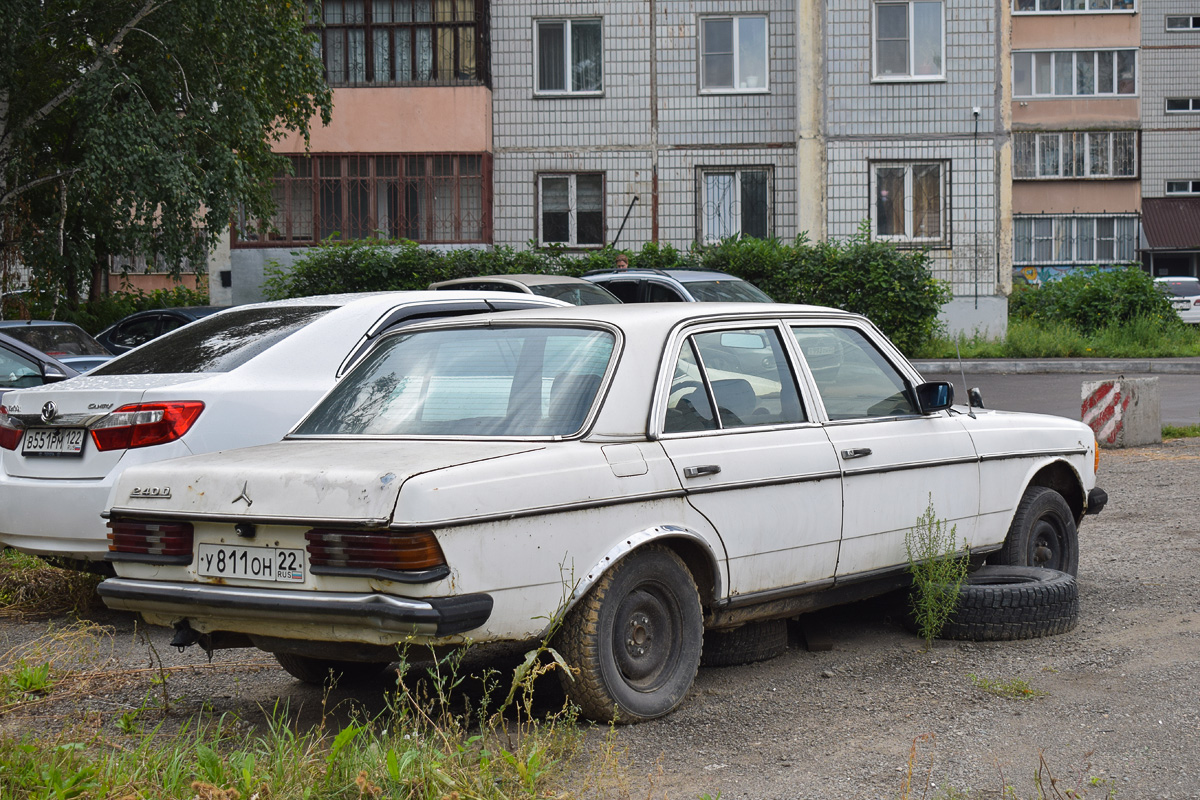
column 1115, row 698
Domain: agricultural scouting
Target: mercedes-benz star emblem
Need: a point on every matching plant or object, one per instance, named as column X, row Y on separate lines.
column 49, row 411
column 245, row 495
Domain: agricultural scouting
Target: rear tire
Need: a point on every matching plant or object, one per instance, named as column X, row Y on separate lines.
column 634, row 639
column 1042, row 533
column 754, row 641
column 319, row 671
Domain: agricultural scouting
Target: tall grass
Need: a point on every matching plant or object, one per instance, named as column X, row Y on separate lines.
column 1027, row 338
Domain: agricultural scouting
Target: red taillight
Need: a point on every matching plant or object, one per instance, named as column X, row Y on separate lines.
column 145, row 424
column 10, row 430
column 386, row 550
column 170, row 542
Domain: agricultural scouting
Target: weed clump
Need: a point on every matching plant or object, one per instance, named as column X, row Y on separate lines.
column 937, row 573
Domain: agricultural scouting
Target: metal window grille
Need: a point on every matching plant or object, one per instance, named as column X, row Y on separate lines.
column 911, row 201
column 1074, row 240
column 403, row 42
column 1075, row 154
column 428, row 198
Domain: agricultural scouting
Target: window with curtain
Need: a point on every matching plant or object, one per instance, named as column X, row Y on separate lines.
column 429, row 197
column 569, row 56
column 1075, row 154
column 734, row 202
column 1074, row 73
column 909, row 40
column 733, row 54
column 397, row 42
column 910, row 201
column 1074, row 240
column 571, row 208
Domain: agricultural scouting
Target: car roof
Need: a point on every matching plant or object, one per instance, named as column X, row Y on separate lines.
column 525, row 279
column 681, row 275
column 36, row 323
column 36, row 355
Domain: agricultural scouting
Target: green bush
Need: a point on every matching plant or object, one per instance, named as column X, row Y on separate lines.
column 94, row 316
column 892, row 287
column 1092, row 299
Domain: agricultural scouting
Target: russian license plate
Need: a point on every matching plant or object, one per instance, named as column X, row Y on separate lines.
column 1182, row 305
column 53, row 442
column 255, row 563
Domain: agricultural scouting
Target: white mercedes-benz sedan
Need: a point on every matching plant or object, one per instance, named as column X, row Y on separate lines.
column 240, row 377
column 623, row 478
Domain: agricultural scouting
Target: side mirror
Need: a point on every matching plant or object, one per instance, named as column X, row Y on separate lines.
column 935, row 396
column 52, row 375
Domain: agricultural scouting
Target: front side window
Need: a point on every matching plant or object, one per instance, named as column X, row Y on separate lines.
column 742, row 373
column 397, row 42
column 853, row 378
column 909, row 201
column 733, row 54
column 1074, row 73
column 18, row 371
column 1075, row 154
column 434, row 197
column 569, row 56
column 572, row 209
column 1074, row 240
column 735, row 202
column 909, row 40
column 492, row 382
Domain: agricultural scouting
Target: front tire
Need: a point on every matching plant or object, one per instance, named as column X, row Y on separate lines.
column 318, row 671
column 1042, row 533
column 635, row 639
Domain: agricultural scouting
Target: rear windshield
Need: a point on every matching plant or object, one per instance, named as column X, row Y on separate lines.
column 726, row 292
column 57, row 340
column 1183, row 288
column 577, row 294
column 218, row 343
column 469, row 382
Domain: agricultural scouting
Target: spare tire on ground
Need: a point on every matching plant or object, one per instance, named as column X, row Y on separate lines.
column 1005, row 603
column 754, row 641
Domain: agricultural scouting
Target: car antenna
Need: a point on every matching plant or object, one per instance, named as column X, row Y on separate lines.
column 963, row 372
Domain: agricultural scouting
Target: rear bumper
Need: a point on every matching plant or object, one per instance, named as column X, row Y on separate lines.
column 372, row 613
column 55, row 517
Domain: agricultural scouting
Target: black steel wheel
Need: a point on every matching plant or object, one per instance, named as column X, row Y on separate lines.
column 634, row 639
column 1042, row 533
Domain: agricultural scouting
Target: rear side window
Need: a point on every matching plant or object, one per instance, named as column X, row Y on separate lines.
column 218, row 343
column 57, row 340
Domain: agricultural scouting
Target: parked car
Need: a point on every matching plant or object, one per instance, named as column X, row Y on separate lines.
column 677, row 286
column 239, row 377
column 22, row 366
column 142, row 326
column 638, row 473
column 1185, row 296
column 575, row 291
column 64, row 341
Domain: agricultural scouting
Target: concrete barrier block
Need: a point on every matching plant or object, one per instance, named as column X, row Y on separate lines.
column 1124, row 412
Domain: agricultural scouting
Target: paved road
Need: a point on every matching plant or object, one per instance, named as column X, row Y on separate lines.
column 1022, row 388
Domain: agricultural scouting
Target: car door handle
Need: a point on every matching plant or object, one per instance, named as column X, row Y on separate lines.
column 856, row 452
column 696, row 472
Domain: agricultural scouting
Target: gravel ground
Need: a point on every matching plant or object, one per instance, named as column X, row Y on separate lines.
column 1117, row 697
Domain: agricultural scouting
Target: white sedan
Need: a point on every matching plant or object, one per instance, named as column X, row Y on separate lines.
column 239, row 377
column 642, row 473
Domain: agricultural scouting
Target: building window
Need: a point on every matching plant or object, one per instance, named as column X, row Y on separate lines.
column 1184, row 23
column 1074, row 240
column 908, row 40
column 734, row 202
column 910, row 201
column 427, row 198
column 1183, row 105
column 570, row 56
column 1075, row 154
column 733, row 54
column 1183, row 187
column 572, row 209
column 1072, row 6
column 396, row 42
column 1074, row 73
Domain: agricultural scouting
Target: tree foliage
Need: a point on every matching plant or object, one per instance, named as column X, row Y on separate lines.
column 136, row 127
column 892, row 287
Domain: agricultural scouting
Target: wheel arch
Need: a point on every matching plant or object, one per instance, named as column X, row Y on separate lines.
column 695, row 551
column 1063, row 478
